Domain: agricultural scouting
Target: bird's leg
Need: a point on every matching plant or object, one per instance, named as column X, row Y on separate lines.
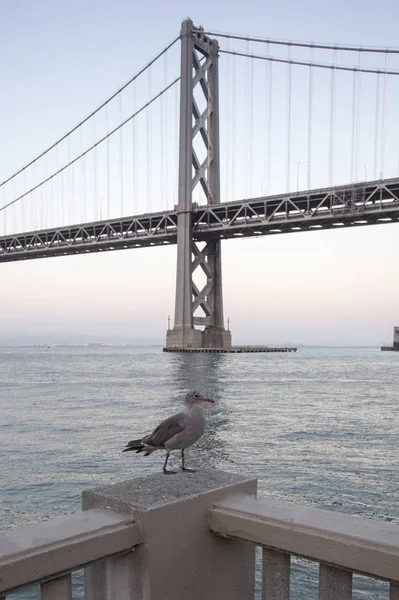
column 165, row 470
column 183, row 468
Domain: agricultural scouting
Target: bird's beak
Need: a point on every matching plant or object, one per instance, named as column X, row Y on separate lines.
column 207, row 400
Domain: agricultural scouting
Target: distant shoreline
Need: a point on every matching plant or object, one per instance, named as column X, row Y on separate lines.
column 104, row 345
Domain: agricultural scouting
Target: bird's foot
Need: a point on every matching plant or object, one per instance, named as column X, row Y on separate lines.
column 169, row 472
column 189, row 470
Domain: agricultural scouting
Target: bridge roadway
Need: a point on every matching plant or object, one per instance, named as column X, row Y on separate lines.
column 365, row 203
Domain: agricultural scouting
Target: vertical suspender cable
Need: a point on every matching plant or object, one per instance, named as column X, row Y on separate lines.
column 233, row 130
column 264, row 174
column 332, row 121
column 63, row 207
column 33, row 204
column 18, row 209
column 13, row 213
column 289, row 86
column 5, row 211
column 251, row 128
column 376, row 124
column 354, row 104
column 134, row 157
column 74, row 203
column 177, row 111
column 58, row 189
column 228, row 124
column 246, row 175
column 148, row 122
column 108, row 168
column 44, row 197
column 310, row 115
column 83, row 204
column 4, row 189
column 358, row 114
column 165, row 128
column 121, row 154
column 24, row 203
column 70, row 212
column 162, row 144
column 383, row 125
column 95, row 203
column 269, row 130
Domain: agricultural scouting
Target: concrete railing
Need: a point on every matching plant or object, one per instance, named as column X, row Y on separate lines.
column 48, row 552
column 341, row 544
column 193, row 537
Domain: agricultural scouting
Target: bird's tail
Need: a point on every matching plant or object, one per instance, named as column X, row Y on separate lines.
column 136, row 445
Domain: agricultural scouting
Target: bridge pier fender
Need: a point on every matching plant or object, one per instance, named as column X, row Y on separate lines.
column 178, row 557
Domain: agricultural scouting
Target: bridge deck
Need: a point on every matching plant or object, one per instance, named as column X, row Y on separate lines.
column 366, row 203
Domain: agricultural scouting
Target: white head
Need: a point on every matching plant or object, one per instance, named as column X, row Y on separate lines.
column 193, row 397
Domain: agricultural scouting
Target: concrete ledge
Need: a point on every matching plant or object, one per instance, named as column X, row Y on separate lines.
column 350, row 542
column 158, row 490
column 33, row 553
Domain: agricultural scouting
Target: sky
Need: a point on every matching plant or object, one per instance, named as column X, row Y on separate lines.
column 62, row 60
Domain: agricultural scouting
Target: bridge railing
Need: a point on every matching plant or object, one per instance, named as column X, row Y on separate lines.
column 193, row 536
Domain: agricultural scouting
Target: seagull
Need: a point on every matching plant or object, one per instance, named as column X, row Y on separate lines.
column 175, row 433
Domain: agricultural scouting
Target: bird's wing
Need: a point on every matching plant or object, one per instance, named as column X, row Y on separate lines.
column 165, row 431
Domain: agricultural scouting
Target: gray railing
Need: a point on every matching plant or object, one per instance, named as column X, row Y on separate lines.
column 193, row 536
column 46, row 553
column 341, row 544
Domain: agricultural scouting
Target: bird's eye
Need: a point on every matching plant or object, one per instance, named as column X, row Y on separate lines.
column 196, row 395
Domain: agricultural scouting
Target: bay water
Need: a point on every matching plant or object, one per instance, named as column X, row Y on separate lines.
column 318, row 427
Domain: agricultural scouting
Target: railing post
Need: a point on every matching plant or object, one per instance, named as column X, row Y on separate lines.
column 112, row 579
column 334, row 584
column 179, row 557
column 275, row 575
column 57, row 589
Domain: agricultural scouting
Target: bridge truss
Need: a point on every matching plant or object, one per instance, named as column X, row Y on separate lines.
column 368, row 203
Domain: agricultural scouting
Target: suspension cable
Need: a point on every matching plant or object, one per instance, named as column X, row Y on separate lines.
column 147, row 66
column 93, row 146
column 246, row 38
column 308, row 64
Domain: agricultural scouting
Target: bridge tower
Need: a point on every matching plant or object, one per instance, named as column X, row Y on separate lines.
column 198, row 166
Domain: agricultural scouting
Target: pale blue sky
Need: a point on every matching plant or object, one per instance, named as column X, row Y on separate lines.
column 60, row 60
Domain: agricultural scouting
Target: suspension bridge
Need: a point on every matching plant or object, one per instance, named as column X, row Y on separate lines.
column 236, row 137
